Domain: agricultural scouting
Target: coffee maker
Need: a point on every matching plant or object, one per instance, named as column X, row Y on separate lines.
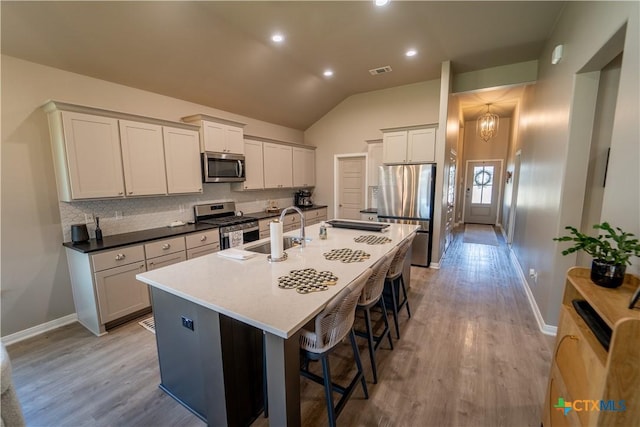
column 303, row 199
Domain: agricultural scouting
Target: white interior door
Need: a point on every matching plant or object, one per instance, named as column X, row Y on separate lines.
column 351, row 187
column 482, row 190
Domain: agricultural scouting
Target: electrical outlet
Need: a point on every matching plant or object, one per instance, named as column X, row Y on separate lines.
column 187, row 323
column 533, row 274
column 88, row 218
column 119, row 215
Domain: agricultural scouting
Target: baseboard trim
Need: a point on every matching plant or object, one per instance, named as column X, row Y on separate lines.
column 434, row 265
column 544, row 328
column 39, row 329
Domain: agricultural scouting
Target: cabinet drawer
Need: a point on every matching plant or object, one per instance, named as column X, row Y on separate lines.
column 117, row 257
column 291, row 220
column 164, row 260
column 263, row 224
column 163, row 247
column 369, row 217
column 580, row 360
column 264, row 234
column 202, row 250
column 204, row 238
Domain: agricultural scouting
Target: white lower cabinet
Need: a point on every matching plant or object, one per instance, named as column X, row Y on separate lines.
column 202, row 243
column 118, row 292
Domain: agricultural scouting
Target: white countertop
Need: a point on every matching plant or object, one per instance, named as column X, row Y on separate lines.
column 247, row 290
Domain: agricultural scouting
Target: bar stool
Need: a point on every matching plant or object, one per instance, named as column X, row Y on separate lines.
column 333, row 324
column 395, row 282
column 370, row 297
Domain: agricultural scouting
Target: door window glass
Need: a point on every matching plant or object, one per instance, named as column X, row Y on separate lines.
column 482, row 185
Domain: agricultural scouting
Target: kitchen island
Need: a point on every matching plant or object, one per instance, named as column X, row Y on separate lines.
column 214, row 290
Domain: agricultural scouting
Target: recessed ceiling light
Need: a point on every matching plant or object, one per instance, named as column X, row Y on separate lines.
column 411, row 52
column 278, row 38
column 328, row 73
column 381, row 2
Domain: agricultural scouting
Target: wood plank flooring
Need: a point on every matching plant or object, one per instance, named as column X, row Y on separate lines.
column 471, row 355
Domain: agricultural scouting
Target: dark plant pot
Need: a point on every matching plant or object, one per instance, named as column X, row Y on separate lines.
column 606, row 274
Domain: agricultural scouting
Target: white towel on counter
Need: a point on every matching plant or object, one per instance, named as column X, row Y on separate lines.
column 236, row 254
column 235, row 238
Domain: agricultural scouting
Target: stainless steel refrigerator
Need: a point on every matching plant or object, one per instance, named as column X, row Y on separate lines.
column 406, row 196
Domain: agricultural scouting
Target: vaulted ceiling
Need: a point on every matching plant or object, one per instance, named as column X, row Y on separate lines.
column 220, row 54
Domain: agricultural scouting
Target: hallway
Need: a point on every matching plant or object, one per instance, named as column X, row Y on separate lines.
column 471, row 355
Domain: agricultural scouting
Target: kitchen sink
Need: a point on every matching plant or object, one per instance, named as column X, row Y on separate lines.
column 265, row 248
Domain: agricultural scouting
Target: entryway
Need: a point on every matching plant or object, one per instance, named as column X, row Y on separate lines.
column 350, row 185
column 482, row 191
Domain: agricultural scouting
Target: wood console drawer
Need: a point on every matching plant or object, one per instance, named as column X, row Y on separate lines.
column 117, row 257
column 164, row 247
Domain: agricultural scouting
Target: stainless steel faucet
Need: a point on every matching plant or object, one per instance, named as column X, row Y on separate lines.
column 284, row 212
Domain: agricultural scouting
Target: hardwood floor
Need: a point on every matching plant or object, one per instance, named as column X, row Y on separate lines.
column 471, row 355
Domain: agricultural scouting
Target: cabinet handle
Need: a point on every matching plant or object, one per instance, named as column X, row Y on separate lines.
column 203, row 238
column 120, row 193
column 141, row 267
column 120, row 257
column 130, row 192
column 152, row 263
column 166, row 246
column 200, row 190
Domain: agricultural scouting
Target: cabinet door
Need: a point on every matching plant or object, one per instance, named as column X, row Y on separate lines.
column 214, row 136
column 304, row 167
column 374, row 161
column 119, row 293
column 278, row 169
column 421, row 145
column 203, row 250
column 234, row 140
column 142, row 158
column 182, row 160
column 254, row 167
column 394, row 147
column 93, row 156
column 163, row 261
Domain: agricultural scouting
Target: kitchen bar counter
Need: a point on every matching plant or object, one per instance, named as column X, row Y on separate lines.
column 125, row 239
column 247, row 291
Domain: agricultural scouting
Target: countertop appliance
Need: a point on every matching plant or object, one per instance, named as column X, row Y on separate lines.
column 79, row 233
column 222, row 167
column 407, row 197
column 303, row 198
column 224, row 216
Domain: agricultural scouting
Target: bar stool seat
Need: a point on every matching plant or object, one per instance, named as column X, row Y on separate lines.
column 372, row 296
column 332, row 325
column 394, row 282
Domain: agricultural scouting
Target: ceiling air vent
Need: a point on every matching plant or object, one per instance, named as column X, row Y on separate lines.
column 380, row 70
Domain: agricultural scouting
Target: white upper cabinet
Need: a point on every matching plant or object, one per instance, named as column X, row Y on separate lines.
column 218, row 135
column 86, row 155
column 142, row 158
column 182, row 160
column 304, row 167
column 409, row 146
column 278, row 167
column 421, row 145
column 101, row 154
column 254, row 166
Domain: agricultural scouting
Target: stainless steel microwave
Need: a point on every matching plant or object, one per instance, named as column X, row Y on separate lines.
column 222, row 167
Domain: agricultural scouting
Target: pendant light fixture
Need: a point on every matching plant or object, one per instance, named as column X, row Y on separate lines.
column 487, row 125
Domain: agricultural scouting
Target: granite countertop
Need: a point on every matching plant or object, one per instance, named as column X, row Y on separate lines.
column 124, row 239
column 265, row 215
column 370, row 210
column 247, row 290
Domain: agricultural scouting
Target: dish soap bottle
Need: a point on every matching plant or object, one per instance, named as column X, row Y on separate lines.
column 98, row 230
column 323, row 231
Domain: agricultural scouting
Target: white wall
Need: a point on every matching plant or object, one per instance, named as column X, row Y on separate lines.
column 551, row 188
column 35, row 279
column 359, row 118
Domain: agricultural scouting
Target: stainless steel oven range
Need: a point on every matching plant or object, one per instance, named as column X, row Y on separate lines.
column 224, row 216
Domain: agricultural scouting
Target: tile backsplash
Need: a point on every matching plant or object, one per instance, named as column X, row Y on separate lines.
column 135, row 214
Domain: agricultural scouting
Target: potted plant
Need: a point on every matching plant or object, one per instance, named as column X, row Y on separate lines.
column 611, row 251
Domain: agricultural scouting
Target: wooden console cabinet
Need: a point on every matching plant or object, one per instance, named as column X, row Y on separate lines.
column 602, row 386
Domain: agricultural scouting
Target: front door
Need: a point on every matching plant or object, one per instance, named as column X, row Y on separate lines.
column 482, row 189
column 351, row 183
